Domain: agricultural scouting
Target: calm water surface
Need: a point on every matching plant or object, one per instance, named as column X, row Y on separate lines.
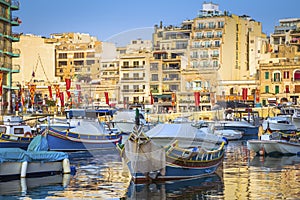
column 102, row 175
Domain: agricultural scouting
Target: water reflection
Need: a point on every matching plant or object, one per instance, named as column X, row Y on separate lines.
column 102, row 175
column 249, row 177
column 35, row 188
column 200, row 188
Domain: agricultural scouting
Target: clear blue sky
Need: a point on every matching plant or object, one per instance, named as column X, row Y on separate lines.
column 111, row 20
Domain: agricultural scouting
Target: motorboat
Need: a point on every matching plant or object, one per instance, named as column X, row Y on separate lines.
column 279, row 123
column 35, row 161
column 14, row 132
column 274, row 144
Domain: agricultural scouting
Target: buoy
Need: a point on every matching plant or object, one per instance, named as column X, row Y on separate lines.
column 24, row 169
column 66, row 166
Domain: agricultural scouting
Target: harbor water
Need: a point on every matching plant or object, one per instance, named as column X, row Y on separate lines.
column 102, row 175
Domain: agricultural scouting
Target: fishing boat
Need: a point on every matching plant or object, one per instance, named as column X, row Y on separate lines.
column 82, row 132
column 275, row 144
column 35, row 161
column 185, row 134
column 149, row 162
column 14, row 132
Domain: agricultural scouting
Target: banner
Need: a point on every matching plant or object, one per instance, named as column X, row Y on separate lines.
column 197, row 98
column 62, row 99
column 1, row 78
column 106, row 98
column 32, row 88
column 68, row 86
column 257, row 96
column 78, row 88
column 57, row 90
column 173, row 99
column 50, row 91
column 151, row 99
column 245, row 94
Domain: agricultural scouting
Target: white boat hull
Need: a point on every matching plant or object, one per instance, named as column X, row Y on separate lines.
column 278, row 126
column 274, row 146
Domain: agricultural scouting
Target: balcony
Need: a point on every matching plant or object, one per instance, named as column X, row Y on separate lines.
column 15, row 5
column 15, row 21
column 8, row 67
column 132, row 67
column 133, row 91
column 12, row 52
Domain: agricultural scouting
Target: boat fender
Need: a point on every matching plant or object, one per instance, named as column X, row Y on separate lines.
column 24, row 169
column 66, row 166
column 27, row 134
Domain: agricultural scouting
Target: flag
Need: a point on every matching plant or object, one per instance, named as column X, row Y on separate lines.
column 197, row 98
column 151, row 98
column 50, row 91
column 1, row 78
column 32, row 88
column 106, row 98
column 68, row 86
column 245, row 94
column 78, row 88
column 62, row 99
column 257, row 95
column 173, row 99
column 57, row 90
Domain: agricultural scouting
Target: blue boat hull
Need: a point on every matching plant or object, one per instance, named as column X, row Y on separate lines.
column 8, row 144
column 174, row 173
column 64, row 141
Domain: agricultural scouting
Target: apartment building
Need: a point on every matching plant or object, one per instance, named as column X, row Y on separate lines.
column 7, row 53
column 134, row 72
column 220, row 49
column 280, row 74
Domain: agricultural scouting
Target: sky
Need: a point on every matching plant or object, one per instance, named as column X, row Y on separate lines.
column 120, row 21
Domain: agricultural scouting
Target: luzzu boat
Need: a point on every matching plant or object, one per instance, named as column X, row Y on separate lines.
column 82, row 132
column 148, row 162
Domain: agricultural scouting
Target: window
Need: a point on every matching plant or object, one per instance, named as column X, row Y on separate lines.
column 211, row 25
column 276, row 89
column 287, row 89
column 219, row 34
column 135, row 75
column 209, row 35
column 267, row 74
column 286, row 74
column 154, row 77
column 135, row 63
column 220, row 24
column 277, row 77
column 19, row 131
column 217, row 43
column 62, row 56
column 126, row 75
column 126, row 64
column 78, row 55
column 267, row 89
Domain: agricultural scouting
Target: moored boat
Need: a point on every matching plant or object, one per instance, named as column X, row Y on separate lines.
column 149, row 162
column 83, row 132
column 36, row 161
column 15, row 133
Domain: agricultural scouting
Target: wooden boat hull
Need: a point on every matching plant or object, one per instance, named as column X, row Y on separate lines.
column 12, row 141
column 67, row 141
column 174, row 172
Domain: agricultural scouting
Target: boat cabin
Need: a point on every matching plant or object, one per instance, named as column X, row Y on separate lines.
column 14, row 125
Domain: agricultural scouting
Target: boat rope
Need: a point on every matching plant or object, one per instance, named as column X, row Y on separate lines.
column 35, row 69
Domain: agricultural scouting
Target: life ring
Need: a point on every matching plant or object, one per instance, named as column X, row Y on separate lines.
column 27, row 134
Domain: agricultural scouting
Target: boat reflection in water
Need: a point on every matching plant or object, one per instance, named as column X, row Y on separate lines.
column 32, row 187
column 204, row 187
column 276, row 163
